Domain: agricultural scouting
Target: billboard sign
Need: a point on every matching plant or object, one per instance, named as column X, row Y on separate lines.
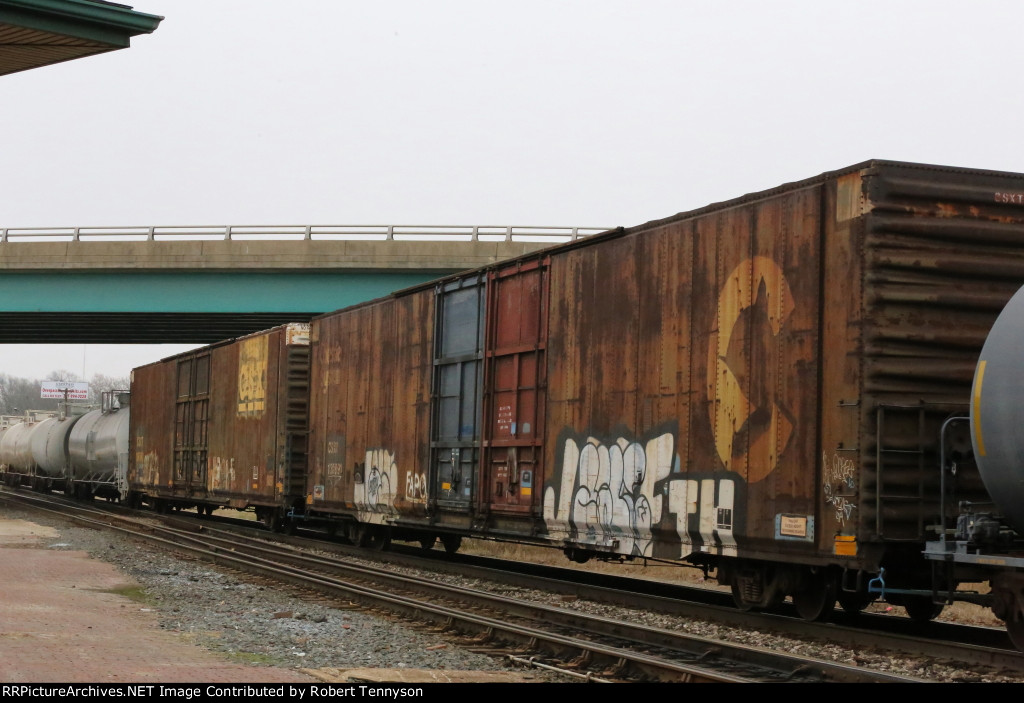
column 56, row 389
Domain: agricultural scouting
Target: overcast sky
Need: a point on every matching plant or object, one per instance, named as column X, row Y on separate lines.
column 590, row 113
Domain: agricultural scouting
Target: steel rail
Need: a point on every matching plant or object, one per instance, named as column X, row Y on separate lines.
column 711, row 660
column 678, row 644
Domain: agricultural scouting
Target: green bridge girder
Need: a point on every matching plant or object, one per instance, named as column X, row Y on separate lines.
column 179, row 307
column 203, row 291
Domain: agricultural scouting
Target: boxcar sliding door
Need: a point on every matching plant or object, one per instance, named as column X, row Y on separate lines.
column 455, row 431
column 191, row 419
column 516, row 381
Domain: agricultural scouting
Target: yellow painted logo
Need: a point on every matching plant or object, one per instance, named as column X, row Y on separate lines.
column 746, row 366
column 252, row 376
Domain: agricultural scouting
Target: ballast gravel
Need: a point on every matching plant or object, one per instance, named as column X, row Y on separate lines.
column 259, row 624
column 262, row 624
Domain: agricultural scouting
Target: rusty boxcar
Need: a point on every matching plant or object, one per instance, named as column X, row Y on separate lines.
column 224, row 425
column 370, row 415
column 760, row 385
column 756, row 387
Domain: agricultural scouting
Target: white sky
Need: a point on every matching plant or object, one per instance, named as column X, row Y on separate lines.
column 588, row 113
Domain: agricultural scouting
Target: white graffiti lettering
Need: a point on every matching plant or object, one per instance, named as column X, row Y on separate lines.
column 374, row 496
column 415, row 487
column 614, row 502
column 839, row 475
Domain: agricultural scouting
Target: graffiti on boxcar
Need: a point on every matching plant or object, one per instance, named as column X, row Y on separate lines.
column 615, row 494
column 750, row 418
column 335, row 460
column 374, row 490
column 252, row 376
column 415, row 487
column 607, row 492
column 221, row 473
column 839, row 479
column 705, row 510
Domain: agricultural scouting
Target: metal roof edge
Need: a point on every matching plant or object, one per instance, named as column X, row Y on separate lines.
column 86, row 19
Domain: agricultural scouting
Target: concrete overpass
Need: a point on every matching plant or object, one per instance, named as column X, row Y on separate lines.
column 104, row 285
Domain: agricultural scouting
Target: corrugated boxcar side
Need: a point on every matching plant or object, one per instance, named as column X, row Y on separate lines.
column 370, row 409
column 683, row 383
column 942, row 252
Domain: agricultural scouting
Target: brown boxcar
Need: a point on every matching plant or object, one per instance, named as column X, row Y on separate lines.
column 225, row 425
column 760, row 384
column 370, row 414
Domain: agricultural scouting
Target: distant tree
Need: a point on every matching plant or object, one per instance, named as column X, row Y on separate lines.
column 21, row 394
column 101, row 383
column 62, row 375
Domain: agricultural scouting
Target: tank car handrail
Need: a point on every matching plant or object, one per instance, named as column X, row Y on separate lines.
column 942, row 473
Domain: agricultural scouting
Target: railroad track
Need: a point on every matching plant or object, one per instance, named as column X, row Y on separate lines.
column 984, row 648
column 592, row 647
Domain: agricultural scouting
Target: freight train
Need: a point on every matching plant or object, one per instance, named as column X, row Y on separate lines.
column 780, row 389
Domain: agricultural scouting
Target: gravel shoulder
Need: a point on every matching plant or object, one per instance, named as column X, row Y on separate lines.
column 252, row 623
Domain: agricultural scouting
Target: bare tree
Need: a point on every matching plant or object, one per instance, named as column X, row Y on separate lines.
column 21, row 394
column 101, row 383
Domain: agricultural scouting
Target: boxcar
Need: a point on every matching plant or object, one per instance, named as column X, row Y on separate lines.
column 757, row 386
column 370, row 415
column 760, row 385
column 224, row 425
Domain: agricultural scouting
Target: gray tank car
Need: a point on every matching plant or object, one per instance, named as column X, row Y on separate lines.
column 49, row 444
column 98, row 449
column 15, row 449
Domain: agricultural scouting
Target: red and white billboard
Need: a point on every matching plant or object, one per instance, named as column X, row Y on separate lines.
column 56, row 389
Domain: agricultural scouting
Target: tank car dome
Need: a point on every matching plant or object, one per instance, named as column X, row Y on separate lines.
column 997, row 411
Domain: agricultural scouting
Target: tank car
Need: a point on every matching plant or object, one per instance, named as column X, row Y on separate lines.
column 16, row 449
column 224, row 426
column 97, row 448
column 49, row 442
column 987, row 541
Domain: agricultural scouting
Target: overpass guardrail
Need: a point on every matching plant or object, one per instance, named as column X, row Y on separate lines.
column 426, row 233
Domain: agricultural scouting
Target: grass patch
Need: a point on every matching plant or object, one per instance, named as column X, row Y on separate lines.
column 131, row 592
column 250, row 658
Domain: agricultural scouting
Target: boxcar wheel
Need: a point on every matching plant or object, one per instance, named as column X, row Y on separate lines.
column 737, row 597
column 373, row 538
column 854, row 602
column 1015, row 629
column 451, row 543
column 817, row 600
column 427, row 543
column 922, row 608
